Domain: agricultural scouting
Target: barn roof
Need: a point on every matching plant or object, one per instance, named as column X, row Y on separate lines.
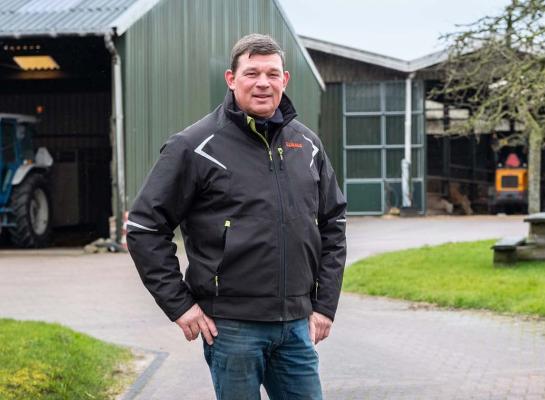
column 19, row 18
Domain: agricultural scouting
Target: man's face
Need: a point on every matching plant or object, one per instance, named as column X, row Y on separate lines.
column 258, row 83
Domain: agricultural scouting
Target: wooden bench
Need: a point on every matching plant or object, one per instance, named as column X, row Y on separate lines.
column 537, row 228
column 505, row 249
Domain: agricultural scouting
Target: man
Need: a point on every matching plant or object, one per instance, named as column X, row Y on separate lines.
column 263, row 224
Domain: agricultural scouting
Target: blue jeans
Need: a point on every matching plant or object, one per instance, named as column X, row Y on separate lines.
column 279, row 355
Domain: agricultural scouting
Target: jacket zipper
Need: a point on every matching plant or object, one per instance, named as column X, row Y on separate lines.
column 272, row 167
column 269, row 151
column 281, row 154
column 227, row 225
column 282, row 233
column 317, row 282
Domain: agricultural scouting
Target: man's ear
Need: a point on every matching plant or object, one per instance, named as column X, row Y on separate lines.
column 230, row 79
column 286, row 79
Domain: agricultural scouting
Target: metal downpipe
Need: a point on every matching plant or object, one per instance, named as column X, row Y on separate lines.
column 118, row 152
column 406, row 162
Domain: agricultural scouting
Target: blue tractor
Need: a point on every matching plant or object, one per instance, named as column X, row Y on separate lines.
column 25, row 205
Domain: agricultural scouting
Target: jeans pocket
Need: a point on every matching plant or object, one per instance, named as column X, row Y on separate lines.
column 207, row 349
column 229, row 325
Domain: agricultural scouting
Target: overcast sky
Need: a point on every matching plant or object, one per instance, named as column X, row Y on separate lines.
column 405, row 29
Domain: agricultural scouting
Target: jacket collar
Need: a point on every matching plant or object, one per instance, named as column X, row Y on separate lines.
column 239, row 117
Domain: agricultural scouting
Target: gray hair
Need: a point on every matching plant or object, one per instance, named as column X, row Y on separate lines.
column 255, row 43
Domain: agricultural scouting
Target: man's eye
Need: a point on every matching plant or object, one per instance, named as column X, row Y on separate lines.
column 251, row 74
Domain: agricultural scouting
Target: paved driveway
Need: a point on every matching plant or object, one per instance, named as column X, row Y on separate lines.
column 379, row 348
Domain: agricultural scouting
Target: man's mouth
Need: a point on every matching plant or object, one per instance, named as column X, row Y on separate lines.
column 262, row 96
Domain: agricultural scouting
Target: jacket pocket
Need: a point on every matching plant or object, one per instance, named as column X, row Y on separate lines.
column 303, row 255
column 226, row 227
column 205, row 248
column 314, row 188
column 251, row 259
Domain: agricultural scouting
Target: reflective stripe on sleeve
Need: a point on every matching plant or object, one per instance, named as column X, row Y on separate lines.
column 141, row 226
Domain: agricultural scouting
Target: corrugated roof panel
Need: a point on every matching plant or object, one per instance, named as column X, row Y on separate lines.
column 108, row 4
column 9, row 6
column 21, row 22
column 21, row 17
column 96, row 19
column 14, row 22
column 39, row 6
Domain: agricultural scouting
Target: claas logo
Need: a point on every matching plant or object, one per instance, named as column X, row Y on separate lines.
column 294, row 145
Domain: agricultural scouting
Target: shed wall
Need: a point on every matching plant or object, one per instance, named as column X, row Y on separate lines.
column 340, row 69
column 174, row 59
column 331, row 127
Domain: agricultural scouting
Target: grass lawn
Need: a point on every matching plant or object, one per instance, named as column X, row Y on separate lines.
column 49, row 361
column 457, row 275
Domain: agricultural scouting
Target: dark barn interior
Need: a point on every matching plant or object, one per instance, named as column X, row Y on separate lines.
column 72, row 101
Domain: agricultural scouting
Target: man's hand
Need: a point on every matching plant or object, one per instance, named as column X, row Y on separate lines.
column 194, row 321
column 319, row 326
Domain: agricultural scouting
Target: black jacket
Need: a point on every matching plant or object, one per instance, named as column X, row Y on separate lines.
column 263, row 225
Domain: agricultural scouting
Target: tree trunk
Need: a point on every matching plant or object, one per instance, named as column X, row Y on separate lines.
column 535, row 142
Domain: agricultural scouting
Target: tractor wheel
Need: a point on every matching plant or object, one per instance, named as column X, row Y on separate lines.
column 31, row 207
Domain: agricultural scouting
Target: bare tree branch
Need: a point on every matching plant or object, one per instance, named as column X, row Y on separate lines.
column 496, row 69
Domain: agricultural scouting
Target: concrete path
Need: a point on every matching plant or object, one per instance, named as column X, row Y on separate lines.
column 368, row 236
column 379, row 348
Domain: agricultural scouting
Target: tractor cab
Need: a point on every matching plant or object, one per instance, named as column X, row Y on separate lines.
column 511, row 183
column 25, row 210
column 16, row 149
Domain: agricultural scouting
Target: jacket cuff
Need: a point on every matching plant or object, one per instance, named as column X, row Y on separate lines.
column 319, row 309
column 187, row 304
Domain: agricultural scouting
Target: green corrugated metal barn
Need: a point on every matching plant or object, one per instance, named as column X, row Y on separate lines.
column 128, row 74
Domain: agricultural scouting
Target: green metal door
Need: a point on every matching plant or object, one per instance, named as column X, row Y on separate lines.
column 373, row 145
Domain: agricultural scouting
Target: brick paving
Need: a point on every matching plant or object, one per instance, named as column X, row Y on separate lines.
column 379, row 348
column 407, row 352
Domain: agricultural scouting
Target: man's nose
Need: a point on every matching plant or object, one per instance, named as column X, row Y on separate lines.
column 262, row 80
